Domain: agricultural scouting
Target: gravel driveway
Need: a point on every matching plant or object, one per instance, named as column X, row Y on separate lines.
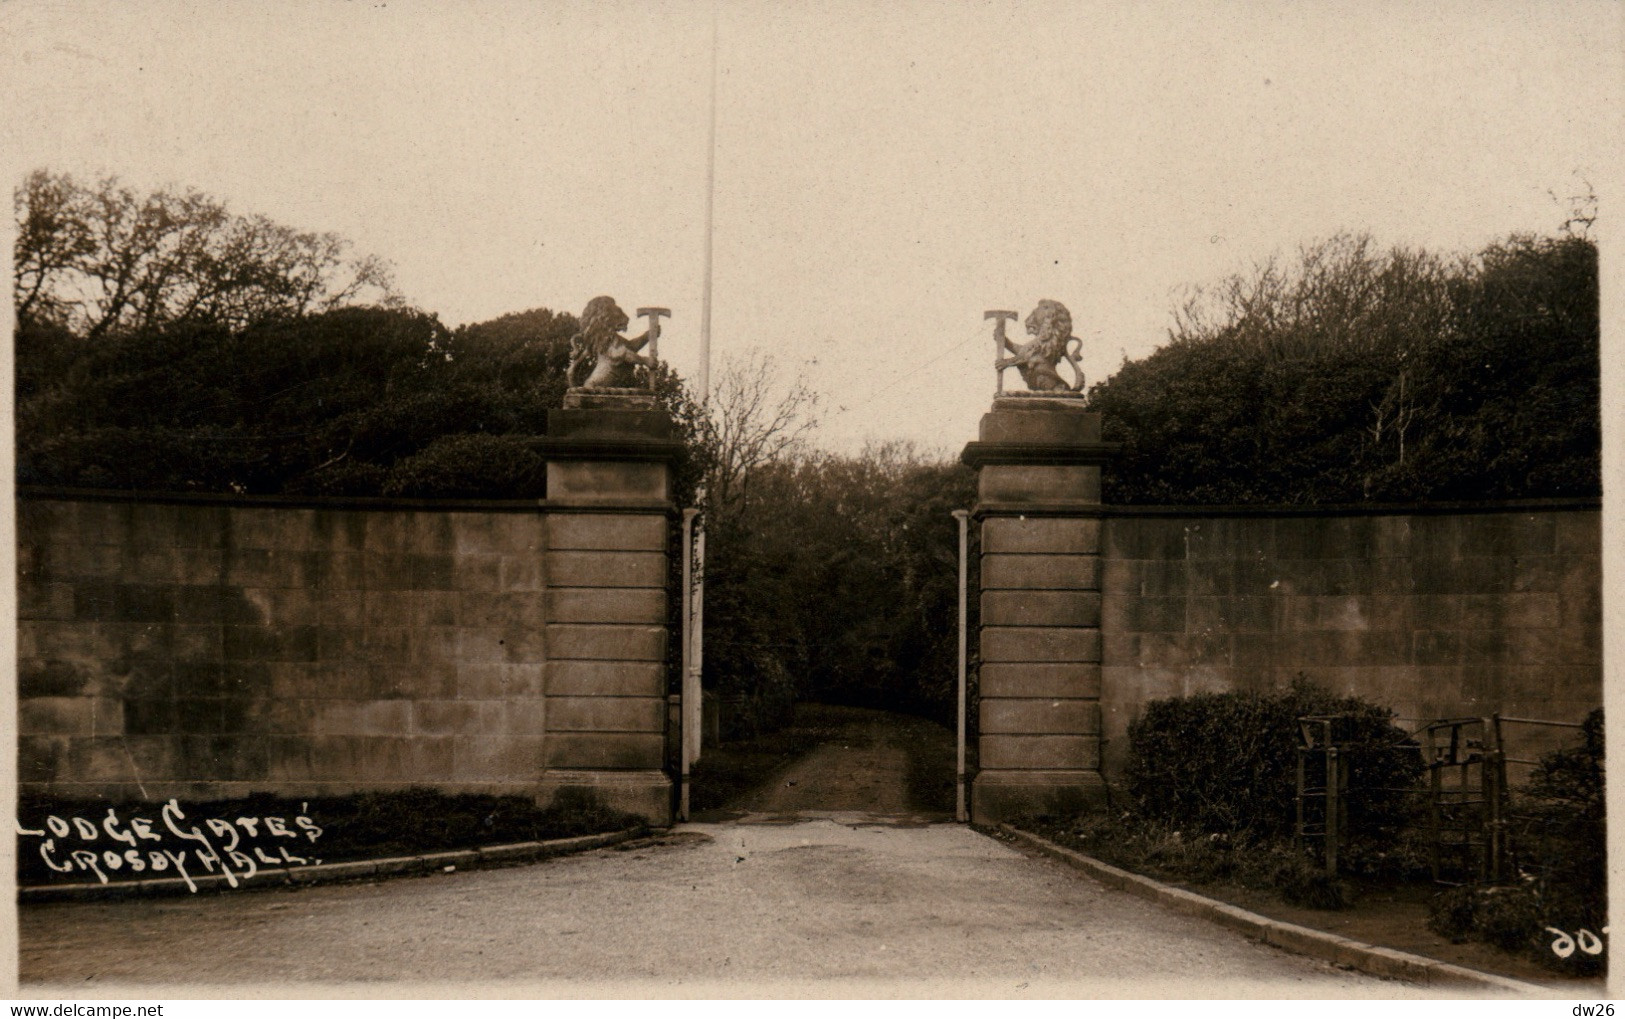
column 838, row 904
column 828, row 879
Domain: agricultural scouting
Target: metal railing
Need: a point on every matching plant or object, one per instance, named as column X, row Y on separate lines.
column 1468, row 801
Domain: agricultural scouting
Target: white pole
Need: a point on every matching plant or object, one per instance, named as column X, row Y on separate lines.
column 963, row 516
column 695, row 704
column 693, row 689
column 690, row 735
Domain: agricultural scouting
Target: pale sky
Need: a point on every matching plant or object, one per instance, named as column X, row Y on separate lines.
column 885, row 173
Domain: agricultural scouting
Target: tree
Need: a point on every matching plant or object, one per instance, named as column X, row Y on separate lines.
column 839, row 582
column 754, row 418
column 98, row 257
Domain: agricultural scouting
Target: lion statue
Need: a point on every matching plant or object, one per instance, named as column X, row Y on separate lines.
column 600, row 341
column 1037, row 360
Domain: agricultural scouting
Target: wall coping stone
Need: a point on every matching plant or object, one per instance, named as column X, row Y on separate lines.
column 1118, row 510
column 1354, row 509
column 622, row 449
column 992, row 454
column 983, row 510
column 341, row 502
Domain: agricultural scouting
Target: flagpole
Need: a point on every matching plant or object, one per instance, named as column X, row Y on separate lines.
column 694, row 623
column 710, row 194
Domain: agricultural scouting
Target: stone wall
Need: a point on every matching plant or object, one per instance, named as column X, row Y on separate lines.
column 1435, row 614
column 209, row 647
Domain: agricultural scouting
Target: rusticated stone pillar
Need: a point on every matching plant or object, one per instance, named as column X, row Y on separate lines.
column 1038, row 462
column 608, row 538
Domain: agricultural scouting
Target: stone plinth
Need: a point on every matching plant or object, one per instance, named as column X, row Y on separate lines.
column 609, row 484
column 1038, row 461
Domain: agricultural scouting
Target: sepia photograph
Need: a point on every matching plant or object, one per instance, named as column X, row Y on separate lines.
column 722, row 499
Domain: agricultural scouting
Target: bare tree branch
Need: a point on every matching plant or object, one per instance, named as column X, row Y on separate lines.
column 97, row 258
column 754, row 419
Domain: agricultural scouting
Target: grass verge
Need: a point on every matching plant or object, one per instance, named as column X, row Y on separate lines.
column 1389, row 906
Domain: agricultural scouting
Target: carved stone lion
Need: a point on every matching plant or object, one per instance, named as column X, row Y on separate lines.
column 1038, row 359
column 601, row 342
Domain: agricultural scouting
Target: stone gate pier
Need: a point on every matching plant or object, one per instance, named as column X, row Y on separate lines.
column 609, row 460
column 1038, row 462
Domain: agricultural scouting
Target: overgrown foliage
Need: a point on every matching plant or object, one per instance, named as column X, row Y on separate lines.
column 1559, row 837
column 1357, row 375
column 841, row 577
column 1226, row 763
column 356, row 401
column 1172, row 852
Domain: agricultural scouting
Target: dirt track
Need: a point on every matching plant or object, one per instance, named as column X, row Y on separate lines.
column 863, row 767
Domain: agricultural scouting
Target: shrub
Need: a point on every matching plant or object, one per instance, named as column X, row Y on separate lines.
column 1227, row 762
column 1450, row 914
column 578, row 810
column 1560, row 833
column 1305, row 883
column 1407, row 856
column 470, row 466
column 1147, row 845
column 352, row 402
column 1508, row 917
column 1559, row 841
column 1513, row 918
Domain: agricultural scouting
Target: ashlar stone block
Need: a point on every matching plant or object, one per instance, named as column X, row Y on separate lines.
column 1040, row 679
column 1048, row 715
column 607, row 569
column 606, row 642
column 1040, row 608
column 1040, row 644
column 1041, row 572
column 1040, row 484
column 1040, row 752
column 607, row 714
column 1064, row 535
column 623, row 532
column 55, row 716
column 605, row 679
column 606, row 750
column 1000, row 795
column 606, row 605
column 606, row 481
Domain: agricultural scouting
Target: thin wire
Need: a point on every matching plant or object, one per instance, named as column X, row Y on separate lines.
column 889, row 384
